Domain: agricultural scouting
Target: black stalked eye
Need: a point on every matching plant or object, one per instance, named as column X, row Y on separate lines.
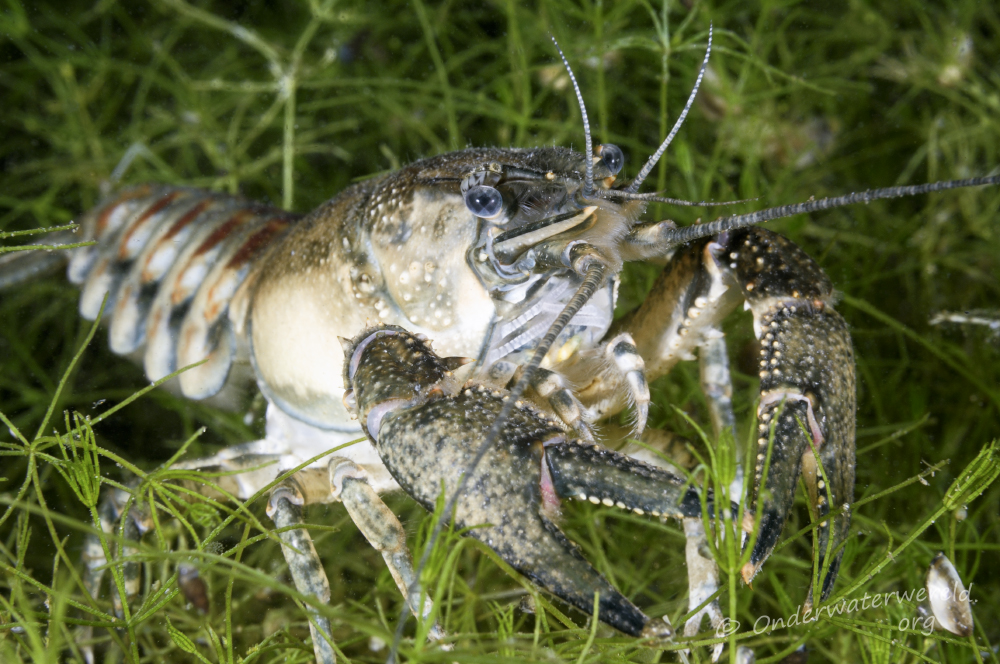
column 612, row 157
column 483, row 201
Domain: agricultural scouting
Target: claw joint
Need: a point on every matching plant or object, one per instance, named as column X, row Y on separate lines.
column 287, row 491
column 343, row 469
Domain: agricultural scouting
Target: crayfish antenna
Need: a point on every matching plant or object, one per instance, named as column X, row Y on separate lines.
column 691, row 233
column 677, row 125
column 588, row 182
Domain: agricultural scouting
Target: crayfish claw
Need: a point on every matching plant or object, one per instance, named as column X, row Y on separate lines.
column 599, row 475
column 658, row 630
column 807, row 405
column 505, row 503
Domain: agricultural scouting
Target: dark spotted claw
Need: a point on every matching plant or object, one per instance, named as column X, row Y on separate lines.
column 427, row 426
column 807, row 393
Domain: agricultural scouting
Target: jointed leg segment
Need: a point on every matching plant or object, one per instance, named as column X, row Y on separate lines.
column 347, row 482
column 627, row 363
column 133, row 526
column 703, row 572
column 342, row 480
column 304, row 564
column 383, row 531
column 552, row 390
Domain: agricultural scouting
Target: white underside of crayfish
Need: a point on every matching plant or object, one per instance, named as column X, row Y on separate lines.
column 290, row 443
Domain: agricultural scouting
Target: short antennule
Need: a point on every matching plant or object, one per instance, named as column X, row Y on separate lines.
column 648, row 167
column 622, row 195
column 690, row 233
column 588, row 183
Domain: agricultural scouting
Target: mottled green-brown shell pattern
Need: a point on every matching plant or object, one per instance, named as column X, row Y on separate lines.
column 428, row 429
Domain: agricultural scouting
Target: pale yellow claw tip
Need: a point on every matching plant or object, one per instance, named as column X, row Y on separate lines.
column 748, row 572
column 657, row 630
column 748, row 522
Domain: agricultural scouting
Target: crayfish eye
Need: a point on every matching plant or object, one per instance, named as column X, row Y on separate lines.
column 483, row 201
column 612, row 157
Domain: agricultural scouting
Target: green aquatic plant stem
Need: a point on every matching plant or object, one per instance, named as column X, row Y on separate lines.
column 974, row 479
column 442, row 73
column 800, row 100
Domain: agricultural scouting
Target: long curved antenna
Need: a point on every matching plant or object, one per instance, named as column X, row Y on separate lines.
column 592, row 280
column 677, row 125
column 620, row 195
column 588, row 183
column 689, row 233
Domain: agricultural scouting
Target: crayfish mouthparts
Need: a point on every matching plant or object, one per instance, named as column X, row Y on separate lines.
column 430, row 428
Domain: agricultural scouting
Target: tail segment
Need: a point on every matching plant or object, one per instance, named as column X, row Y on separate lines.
column 170, row 260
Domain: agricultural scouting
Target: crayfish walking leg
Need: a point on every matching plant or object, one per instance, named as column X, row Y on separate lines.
column 285, row 509
column 341, row 480
column 132, row 525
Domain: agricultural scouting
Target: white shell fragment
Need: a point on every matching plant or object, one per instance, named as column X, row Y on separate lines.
column 948, row 597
